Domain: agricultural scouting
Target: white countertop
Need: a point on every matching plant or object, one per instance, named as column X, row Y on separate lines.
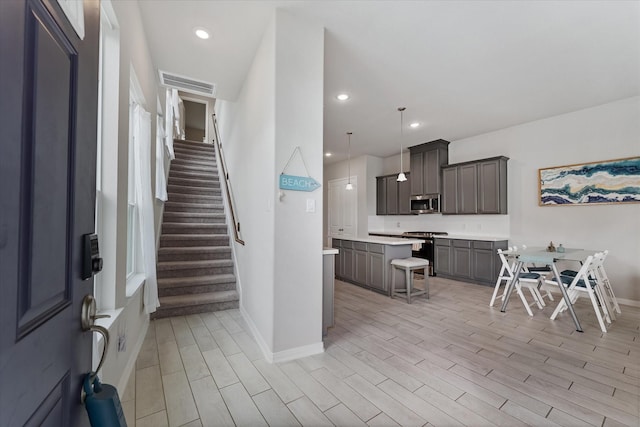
column 450, row 236
column 393, row 241
column 472, row 237
column 329, row 251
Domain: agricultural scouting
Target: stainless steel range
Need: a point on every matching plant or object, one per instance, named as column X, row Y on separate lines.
column 427, row 248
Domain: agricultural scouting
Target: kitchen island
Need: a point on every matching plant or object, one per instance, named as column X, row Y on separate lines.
column 366, row 261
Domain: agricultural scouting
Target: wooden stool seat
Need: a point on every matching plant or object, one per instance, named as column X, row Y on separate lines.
column 409, row 265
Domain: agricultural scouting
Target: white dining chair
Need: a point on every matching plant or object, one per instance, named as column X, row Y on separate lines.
column 528, row 280
column 585, row 283
column 597, row 272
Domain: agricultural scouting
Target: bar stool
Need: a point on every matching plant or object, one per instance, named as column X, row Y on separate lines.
column 409, row 265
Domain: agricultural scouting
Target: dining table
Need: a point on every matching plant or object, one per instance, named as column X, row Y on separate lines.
column 540, row 255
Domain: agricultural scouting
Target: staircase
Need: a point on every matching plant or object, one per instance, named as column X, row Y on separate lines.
column 195, row 267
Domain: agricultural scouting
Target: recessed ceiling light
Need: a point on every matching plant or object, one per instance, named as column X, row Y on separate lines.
column 327, row 154
column 342, row 97
column 414, row 124
column 202, row 33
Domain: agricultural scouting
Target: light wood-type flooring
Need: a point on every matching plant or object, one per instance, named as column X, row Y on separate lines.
column 447, row 361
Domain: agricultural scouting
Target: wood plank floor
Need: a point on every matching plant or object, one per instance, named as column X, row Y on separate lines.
column 447, row 361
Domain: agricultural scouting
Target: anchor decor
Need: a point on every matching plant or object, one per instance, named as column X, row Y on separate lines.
column 294, row 182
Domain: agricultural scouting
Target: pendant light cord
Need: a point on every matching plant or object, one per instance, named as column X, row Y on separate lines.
column 349, row 155
column 401, row 109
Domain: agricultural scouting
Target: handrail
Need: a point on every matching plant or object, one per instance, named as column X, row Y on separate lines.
column 218, row 144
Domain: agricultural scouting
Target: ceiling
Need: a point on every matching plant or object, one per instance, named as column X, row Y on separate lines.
column 461, row 68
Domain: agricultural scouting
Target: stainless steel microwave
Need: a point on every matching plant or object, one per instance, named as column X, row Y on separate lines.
column 426, row 203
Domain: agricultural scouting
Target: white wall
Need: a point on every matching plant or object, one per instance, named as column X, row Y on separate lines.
column 609, row 131
column 247, row 132
column 281, row 265
column 298, row 234
column 605, row 132
column 129, row 318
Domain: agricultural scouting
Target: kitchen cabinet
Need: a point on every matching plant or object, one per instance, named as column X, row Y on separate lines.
column 347, row 260
column 477, row 187
column 404, row 196
column 392, row 197
column 360, row 262
column 375, row 271
column 328, row 290
column 461, row 256
column 337, row 244
column 467, row 189
column 473, row 261
column 391, row 183
column 442, row 256
column 492, row 186
column 381, row 196
column 369, row 264
column 425, row 163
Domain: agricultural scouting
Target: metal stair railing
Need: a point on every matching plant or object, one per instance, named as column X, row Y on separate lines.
column 227, row 183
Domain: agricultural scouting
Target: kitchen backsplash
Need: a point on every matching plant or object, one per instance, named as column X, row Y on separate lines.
column 473, row 225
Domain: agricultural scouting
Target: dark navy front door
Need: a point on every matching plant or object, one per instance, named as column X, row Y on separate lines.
column 48, row 115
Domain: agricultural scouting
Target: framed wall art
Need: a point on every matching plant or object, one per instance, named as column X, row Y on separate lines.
column 608, row 181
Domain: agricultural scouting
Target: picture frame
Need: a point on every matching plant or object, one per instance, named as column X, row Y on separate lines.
column 595, row 183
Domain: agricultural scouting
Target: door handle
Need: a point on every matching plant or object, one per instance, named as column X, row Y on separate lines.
column 87, row 319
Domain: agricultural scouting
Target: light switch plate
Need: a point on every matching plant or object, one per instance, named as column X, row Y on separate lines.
column 311, row 205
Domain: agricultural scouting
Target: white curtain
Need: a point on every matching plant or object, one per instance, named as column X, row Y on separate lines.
column 161, row 182
column 178, row 113
column 168, row 123
column 144, row 201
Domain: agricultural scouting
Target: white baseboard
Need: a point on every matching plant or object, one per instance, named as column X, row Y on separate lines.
column 281, row 356
column 629, row 302
column 298, row 352
column 266, row 352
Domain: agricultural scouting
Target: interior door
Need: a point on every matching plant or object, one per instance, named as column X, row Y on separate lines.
column 48, row 114
column 342, row 212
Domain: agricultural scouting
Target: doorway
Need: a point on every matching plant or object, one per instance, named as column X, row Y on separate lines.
column 343, row 208
column 195, row 112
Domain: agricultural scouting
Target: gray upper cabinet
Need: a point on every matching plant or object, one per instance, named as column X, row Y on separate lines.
column 426, row 161
column 391, row 184
column 392, row 197
column 416, row 168
column 449, row 197
column 478, row 187
column 404, row 196
column 492, row 185
column 468, row 189
column 381, row 196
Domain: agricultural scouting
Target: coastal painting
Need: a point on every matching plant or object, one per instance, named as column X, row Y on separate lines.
column 609, row 181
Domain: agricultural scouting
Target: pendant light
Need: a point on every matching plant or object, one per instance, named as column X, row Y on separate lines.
column 349, row 186
column 401, row 176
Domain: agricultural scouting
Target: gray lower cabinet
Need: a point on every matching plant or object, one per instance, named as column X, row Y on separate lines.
column 474, row 261
column 461, row 257
column 369, row 264
column 360, row 262
column 328, row 273
column 443, row 257
column 338, row 263
column 348, row 270
column 478, row 187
